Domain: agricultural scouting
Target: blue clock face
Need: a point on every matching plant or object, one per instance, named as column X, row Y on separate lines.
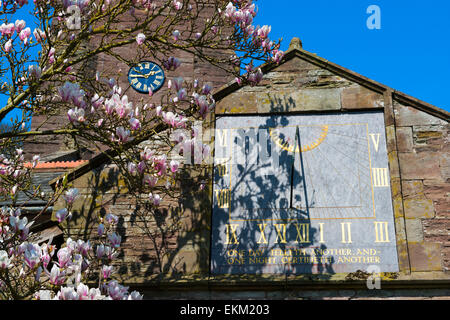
column 146, row 75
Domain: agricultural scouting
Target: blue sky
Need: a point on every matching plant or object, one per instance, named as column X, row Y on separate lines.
column 410, row 53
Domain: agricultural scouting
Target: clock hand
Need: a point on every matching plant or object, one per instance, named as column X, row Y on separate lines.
column 138, row 76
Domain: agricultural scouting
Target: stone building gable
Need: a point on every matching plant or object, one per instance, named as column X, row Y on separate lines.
column 417, row 136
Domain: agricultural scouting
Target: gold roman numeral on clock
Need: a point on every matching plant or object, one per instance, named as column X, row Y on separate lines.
column 302, row 232
column 346, row 232
column 231, row 234
column 156, row 82
column 381, row 231
column 223, row 198
column 380, row 177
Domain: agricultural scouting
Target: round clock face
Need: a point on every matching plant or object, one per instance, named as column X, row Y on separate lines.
column 146, row 75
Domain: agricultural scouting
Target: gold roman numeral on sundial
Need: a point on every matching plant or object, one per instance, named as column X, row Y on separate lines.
column 376, row 140
column 222, row 135
column 281, row 233
column 222, row 166
column 223, row 198
column 346, row 232
column 231, row 234
column 381, row 231
column 262, row 237
column 302, row 232
column 380, row 177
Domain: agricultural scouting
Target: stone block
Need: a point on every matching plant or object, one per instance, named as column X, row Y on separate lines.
column 414, row 230
column 361, row 98
column 404, row 139
column 300, row 100
column 425, row 256
column 237, row 102
column 391, row 143
column 423, row 165
column 418, row 208
column 412, row 188
column 408, row 116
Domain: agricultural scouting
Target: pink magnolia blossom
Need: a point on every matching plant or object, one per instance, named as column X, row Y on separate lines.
column 171, row 63
column 101, row 229
column 64, row 256
column 111, row 218
column 7, row 29
column 100, row 251
column 8, row 46
column 5, row 261
column 61, row 215
column 56, row 277
column 131, row 167
column 277, row 56
column 173, row 165
column 158, row 110
column 135, row 124
column 123, row 134
column 114, row 239
column 107, row 271
column 35, row 71
column 140, row 38
column 160, row 164
column 71, row 195
column 39, row 35
column 264, row 31
column 116, row 291
column 76, row 115
column 24, row 34
column 19, row 25
column 176, row 35
column 177, row 5
column 141, row 167
column 32, row 255
column 155, row 198
column 150, row 180
column 255, row 77
column 146, row 154
column 178, row 83
column 51, row 56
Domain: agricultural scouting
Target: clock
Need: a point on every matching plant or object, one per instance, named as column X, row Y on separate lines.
column 146, row 76
column 303, row 193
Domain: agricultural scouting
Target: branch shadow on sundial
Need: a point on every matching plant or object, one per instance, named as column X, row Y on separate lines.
column 275, row 236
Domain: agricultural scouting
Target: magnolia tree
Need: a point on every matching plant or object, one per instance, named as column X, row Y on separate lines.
column 99, row 112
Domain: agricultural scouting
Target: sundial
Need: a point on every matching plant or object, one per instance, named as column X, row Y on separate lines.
column 302, row 194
